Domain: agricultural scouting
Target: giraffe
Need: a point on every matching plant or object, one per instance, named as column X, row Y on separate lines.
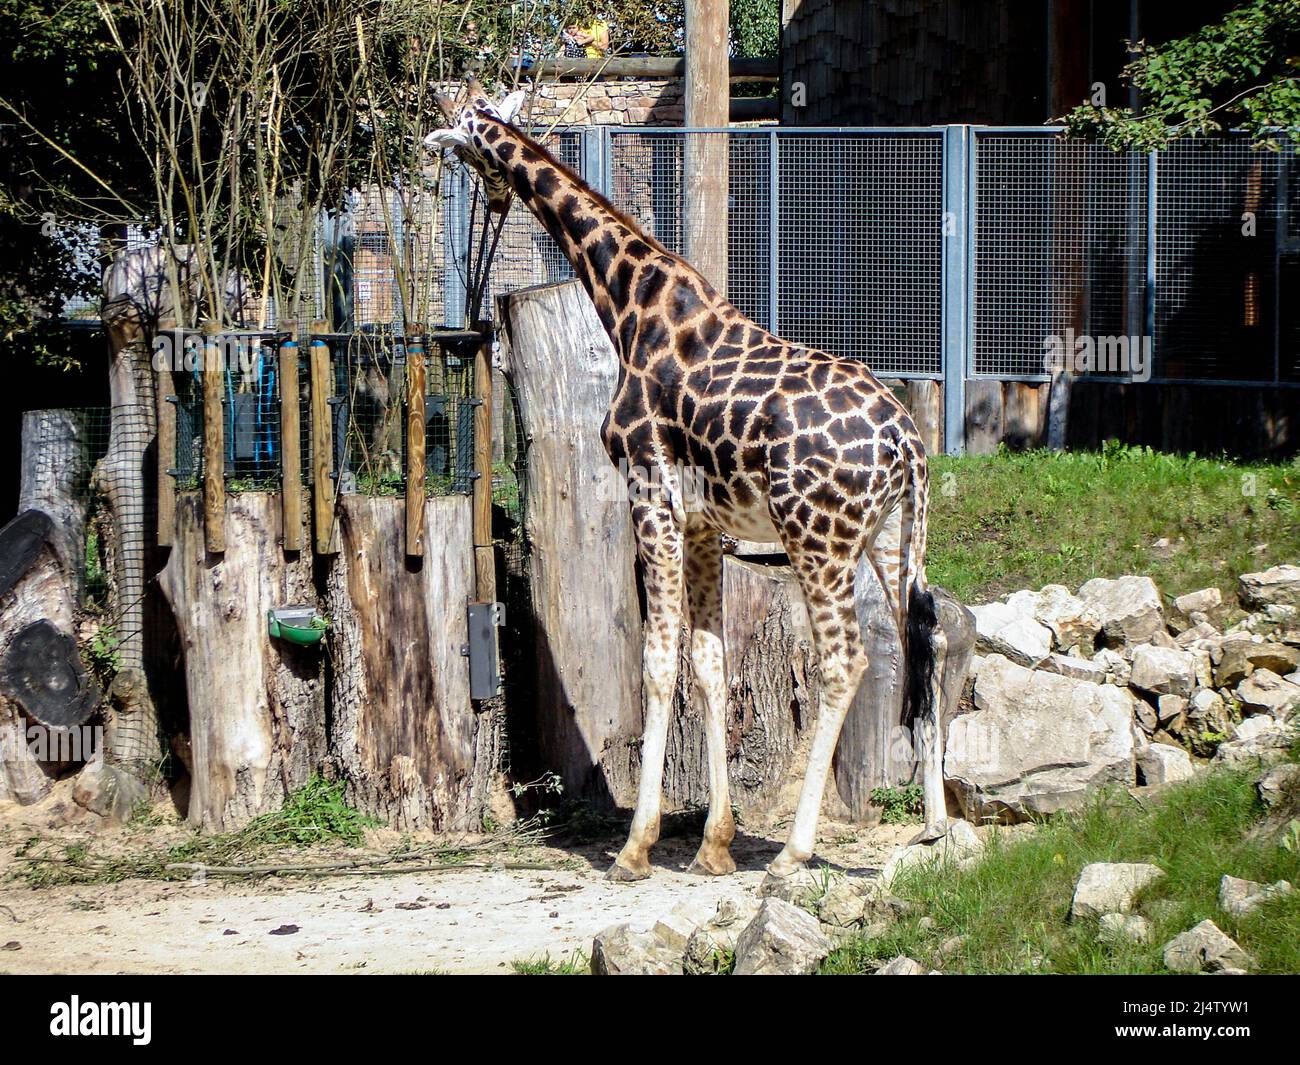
column 787, row 444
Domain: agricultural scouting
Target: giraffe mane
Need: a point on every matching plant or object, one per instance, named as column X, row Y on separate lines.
column 620, row 215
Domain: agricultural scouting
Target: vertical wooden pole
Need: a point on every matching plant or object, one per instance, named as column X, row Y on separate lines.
column 164, row 396
column 485, row 569
column 214, row 440
column 290, row 448
column 705, row 155
column 415, row 443
column 322, row 441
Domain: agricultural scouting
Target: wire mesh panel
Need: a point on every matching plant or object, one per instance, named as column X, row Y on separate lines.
column 1059, row 247
column 861, row 246
column 370, row 419
column 646, row 181
column 250, row 408
column 1219, row 207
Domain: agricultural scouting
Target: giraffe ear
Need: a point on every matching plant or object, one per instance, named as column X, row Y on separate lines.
column 512, row 105
column 446, row 138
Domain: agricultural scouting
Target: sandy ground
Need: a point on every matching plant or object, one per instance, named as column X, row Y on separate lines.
column 467, row 921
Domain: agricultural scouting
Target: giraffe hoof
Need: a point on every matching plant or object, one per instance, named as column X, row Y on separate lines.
column 712, row 864
column 621, row 874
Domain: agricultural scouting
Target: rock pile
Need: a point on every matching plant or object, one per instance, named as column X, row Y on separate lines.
column 1111, row 686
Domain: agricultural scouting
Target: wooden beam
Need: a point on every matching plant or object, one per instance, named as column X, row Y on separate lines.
column 705, row 156
column 322, row 441
column 754, row 108
column 214, row 441
column 290, row 448
column 485, row 570
column 165, row 398
column 415, row 444
column 740, row 68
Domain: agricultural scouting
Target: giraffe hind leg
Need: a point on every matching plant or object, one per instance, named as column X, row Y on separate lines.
column 704, row 596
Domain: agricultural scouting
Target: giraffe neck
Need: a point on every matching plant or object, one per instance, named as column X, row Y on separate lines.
column 621, row 266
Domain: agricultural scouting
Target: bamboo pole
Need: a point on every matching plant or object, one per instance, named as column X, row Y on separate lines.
column 322, row 442
column 165, row 398
column 214, row 441
column 485, row 571
column 415, row 443
column 290, row 448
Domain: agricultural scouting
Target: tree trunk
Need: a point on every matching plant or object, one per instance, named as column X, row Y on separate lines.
column 585, row 614
column 256, row 705
column 403, row 733
column 55, row 480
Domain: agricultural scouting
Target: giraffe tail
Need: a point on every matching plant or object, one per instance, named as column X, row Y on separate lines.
column 924, row 643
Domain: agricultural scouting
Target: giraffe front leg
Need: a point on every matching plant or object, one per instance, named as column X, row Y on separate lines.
column 704, row 594
column 659, row 545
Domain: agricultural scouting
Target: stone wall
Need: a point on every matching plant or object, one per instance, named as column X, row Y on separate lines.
column 626, row 102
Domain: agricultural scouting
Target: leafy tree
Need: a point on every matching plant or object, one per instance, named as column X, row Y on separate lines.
column 1240, row 72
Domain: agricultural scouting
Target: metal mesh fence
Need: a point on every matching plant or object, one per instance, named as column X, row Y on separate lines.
column 1060, row 245
column 835, row 238
column 1221, row 209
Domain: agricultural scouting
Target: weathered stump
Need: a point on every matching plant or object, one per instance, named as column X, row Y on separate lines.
column 256, row 705
column 585, row 613
column 404, row 735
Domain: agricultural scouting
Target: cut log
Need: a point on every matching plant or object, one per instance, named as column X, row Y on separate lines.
column 256, row 705
column 44, row 690
column 586, row 617
column 403, row 733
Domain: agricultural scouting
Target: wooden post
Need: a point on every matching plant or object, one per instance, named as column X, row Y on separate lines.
column 415, row 443
column 214, row 441
column 485, row 571
column 290, row 448
column 322, row 441
column 704, row 164
column 164, row 398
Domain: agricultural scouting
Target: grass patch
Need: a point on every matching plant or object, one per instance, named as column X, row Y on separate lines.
column 576, row 964
column 315, row 814
column 1015, row 520
column 1012, row 908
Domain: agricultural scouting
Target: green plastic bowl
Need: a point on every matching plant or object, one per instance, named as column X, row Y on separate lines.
column 300, row 625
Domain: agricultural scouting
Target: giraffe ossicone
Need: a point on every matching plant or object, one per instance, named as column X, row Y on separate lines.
column 788, row 444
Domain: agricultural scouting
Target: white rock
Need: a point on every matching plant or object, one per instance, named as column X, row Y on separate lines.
column 1198, row 632
column 1123, row 928
column 1254, row 727
column 1281, row 585
column 1115, row 664
column 1279, row 783
column 1129, row 608
column 902, row 966
column 1002, row 629
column 1238, row 897
column 1163, row 671
column 1159, row 763
column 1264, row 692
column 1205, row 601
column 1110, row 887
column 624, row 951
column 1168, row 707
column 781, row 940
column 1074, row 668
column 959, row 846
column 1202, row 948
column 1266, row 747
column 1037, row 742
column 1073, row 623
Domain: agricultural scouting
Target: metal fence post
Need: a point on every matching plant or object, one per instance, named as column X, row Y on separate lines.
column 957, row 222
column 456, row 245
column 595, row 161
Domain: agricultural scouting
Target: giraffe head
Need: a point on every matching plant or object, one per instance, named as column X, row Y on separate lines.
column 467, row 132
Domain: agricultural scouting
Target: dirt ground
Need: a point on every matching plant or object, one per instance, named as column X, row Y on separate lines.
column 462, row 921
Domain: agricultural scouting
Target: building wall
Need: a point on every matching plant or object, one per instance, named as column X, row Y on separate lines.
column 625, row 102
